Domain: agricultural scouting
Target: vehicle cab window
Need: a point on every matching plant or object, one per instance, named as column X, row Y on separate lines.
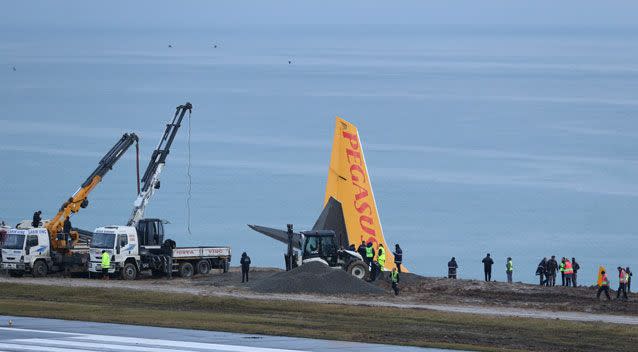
column 123, row 240
column 32, row 241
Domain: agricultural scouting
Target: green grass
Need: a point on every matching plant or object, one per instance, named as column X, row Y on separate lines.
column 337, row 322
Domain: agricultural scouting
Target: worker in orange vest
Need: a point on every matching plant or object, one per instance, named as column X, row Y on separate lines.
column 569, row 272
column 622, row 283
column 604, row 286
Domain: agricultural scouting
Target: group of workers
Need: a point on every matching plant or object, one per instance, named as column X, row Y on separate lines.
column 452, row 267
column 376, row 261
column 624, row 283
column 547, row 269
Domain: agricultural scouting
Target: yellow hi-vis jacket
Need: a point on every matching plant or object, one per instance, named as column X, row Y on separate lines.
column 106, row 260
column 381, row 257
column 370, row 252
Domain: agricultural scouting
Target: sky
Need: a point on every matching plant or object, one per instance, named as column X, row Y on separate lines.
column 199, row 13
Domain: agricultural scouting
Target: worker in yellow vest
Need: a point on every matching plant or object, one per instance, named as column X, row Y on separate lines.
column 509, row 269
column 604, row 286
column 622, row 283
column 106, row 264
column 395, row 281
column 561, row 268
column 381, row 256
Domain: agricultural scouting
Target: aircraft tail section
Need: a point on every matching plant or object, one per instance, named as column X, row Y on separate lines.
column 349, row 185
column 331, row 218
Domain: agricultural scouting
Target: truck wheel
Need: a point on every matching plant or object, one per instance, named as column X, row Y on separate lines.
column 203, row 267
column 16, row 273
column 359, row 269
column 225, row 266
column 39, row 269
column 129, row 271
column 186, row 270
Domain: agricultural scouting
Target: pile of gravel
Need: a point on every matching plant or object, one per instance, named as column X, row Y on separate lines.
column 315, row 277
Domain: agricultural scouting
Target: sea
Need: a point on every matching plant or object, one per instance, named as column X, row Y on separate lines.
column 514, row 141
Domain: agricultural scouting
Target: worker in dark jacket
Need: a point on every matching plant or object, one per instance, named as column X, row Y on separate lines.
column 622, row 283
column 552, row 268
column 37, row 218
column 362, row 250
column 245, row 266
column 540, row 270
column 575, row 267
column 451, row 268
column 398, row 257
column 629, row 275
column 487, row 267
column 66, row 230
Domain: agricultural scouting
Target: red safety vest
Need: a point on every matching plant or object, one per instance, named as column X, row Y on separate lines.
column 622, row 277
column 604, row 282
column 568, row 267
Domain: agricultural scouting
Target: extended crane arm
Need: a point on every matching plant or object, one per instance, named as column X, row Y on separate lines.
column 151, row 178
column 79, row 198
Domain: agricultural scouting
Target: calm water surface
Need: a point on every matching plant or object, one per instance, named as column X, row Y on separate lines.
column 516, row 142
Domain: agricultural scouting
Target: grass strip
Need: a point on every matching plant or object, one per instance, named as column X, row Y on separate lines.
column 302, row 319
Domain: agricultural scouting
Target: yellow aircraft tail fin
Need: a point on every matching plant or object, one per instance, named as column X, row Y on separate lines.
column 350, row 184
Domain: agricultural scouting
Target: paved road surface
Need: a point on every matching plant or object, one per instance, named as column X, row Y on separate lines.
column 36, row 334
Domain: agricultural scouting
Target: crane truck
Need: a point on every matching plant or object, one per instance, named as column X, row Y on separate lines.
column 41, row 250
column 140, row 245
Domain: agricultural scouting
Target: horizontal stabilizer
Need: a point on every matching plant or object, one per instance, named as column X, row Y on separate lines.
column 279, row 235
column 331, row 218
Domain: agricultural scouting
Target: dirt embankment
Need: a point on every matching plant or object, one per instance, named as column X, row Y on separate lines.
column 323, row 284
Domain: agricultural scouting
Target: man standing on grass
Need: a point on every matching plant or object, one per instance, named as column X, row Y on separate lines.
column 487, row 267
column 509, row 269
column 451, row 268
column 245, row 266
column 575, row 267
column 552, row 267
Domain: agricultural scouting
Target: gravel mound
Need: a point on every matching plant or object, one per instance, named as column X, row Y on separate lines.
column 315, row 277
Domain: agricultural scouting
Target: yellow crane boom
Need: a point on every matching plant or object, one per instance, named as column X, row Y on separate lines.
column 80, row 197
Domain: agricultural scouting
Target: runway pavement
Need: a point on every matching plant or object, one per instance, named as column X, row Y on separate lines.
column 37, row 334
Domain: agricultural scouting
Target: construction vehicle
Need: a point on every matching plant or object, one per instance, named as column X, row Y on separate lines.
column 41, row 250
column 140, row 246
column 317, row 246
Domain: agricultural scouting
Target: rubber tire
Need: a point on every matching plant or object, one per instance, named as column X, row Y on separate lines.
column 39, row 269
column 129, row 272
column 16, row 273
column 203, row 267
column 186, row 270
column 225, row 266
column 359, row 269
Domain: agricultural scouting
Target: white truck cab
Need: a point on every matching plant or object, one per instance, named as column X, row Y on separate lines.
column 122, row 245
column 27, row 251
